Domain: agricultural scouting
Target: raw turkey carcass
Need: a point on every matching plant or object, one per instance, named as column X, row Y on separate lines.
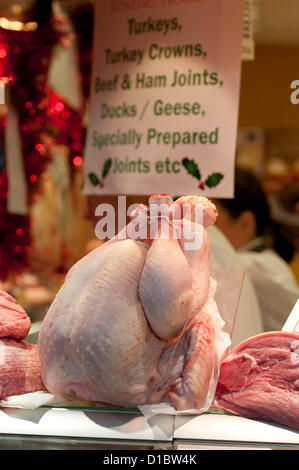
column 129, row 325
column 259, row 379
column 20, row 370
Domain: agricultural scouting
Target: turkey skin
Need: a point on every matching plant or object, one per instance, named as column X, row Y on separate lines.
column 129, row 325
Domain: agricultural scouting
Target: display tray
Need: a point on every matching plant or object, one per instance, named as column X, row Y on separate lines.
column 86, row 405
column 108, row 424
column 224, row 429
column 84, row 425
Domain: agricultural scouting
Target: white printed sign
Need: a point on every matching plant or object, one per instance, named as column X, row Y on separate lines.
column 165, row 96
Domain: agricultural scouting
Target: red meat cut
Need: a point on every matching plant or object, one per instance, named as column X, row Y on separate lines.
column 259, row 379
column 14, row 321
column 20, row 370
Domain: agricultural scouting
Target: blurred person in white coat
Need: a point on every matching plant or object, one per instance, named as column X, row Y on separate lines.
column 246, row 223
column 223, row 256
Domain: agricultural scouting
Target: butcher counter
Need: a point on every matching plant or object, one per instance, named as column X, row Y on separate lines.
column 83, row 427
column 67, row 428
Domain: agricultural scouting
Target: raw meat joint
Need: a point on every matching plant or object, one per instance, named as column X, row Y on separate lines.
column 259, row 379
column 14, row 321
column 20, row 370
column 130, row 324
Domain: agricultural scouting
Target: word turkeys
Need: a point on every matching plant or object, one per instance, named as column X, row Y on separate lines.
column 153, row 26
column 158, row 221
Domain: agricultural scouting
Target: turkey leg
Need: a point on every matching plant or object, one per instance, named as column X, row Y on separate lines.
column 186, row 366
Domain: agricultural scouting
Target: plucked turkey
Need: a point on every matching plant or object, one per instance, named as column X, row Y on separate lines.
column 129, row 326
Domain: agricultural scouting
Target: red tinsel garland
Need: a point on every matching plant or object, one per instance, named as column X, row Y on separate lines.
column 24, row 60
column 44, row 117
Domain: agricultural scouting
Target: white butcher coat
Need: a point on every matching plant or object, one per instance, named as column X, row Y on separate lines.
column 248, row 321
column 276, row 287
column 269, row 291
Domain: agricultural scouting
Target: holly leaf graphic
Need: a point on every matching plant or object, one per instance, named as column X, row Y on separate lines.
column 214, row 179
column 106, row 168
column 93, row 179
column 191, row 167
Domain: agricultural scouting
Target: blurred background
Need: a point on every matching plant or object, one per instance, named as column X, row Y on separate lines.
column 46, row 223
